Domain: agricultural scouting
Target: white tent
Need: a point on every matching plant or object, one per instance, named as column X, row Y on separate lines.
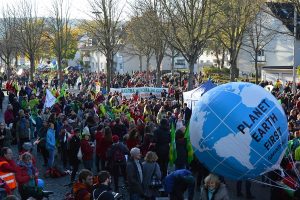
column 193, row 96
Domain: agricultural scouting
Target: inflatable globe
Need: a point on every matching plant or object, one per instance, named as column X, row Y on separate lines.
column 239, row 130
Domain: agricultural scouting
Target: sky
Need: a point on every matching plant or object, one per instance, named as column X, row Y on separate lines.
column 79, row 8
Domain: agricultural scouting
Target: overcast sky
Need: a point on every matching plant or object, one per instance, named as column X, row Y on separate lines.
column 79, row 8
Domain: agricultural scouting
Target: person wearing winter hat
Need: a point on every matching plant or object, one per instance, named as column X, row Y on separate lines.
column 117, row 160
column 86, row 149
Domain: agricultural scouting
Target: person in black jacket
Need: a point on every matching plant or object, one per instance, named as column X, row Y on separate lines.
column 182, row 154
column 103, row 190
column 187, row 113
column 74, row 146
column 162, row 141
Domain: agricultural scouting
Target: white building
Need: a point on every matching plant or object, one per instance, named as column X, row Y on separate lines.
column 276, row 58
column 125, row 61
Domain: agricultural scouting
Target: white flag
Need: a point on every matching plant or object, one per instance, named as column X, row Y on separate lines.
column 50, row 99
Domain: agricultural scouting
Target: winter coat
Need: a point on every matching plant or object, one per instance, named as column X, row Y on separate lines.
column 9, row 116
column 86, row 149
column 74, row 146
column 181, row 152
column 162, row 140
column 10, row 167
column 23, row 177
column 134, row 182
column 100, row 190
column 102, row 145
column 170, row 179
column 50, row 139
column 81, row 191
column 148, row 169
column 220, row 193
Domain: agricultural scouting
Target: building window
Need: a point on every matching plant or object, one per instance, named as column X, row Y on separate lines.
column 261, row 52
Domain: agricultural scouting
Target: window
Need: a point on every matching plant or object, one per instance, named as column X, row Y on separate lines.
column 261, row 52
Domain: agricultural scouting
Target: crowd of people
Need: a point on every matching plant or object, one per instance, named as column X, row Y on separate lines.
column 107, row 142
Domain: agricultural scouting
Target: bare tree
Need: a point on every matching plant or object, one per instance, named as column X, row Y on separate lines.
column 137, row 40
column 235, row 16
column 258, row 35
column 107, row 29
column 8, row 44
column 30, row 31
column 191, row 24
column 59, row 31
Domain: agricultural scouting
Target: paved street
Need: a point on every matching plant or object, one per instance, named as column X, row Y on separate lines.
column 58, row 185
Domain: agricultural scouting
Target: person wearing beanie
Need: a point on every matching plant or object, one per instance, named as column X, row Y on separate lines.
column 87, row 150
column 135, row 172
column 117, row 160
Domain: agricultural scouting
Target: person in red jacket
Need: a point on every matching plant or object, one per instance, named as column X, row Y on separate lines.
column 9, row 115
column 27, row 178
column 8, row 167
column 132, row 140
column 103, row 143
column 86, row 149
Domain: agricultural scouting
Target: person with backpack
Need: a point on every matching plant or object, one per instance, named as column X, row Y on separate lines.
column 22, row 129
column 117, row 159
column 103, row 190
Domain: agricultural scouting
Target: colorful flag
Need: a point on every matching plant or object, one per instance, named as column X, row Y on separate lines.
column 189, row 146
column 50, row 99
column 172, row 152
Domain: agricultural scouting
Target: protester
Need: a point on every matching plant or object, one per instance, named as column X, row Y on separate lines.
column 150, row 169
column 162, row 141
column 117, row 159
column 103, row 190
column 82, row 188
column 135, row 174
column 8, row 168
column 50, row 144
column 87, row 149
column 178, row 182
column 103, row 143
column 74, row 146
column 213, row 189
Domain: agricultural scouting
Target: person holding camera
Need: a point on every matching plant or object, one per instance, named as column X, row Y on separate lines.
column 103, row 190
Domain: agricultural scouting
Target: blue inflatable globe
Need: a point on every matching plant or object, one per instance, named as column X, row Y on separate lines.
column 239, row 130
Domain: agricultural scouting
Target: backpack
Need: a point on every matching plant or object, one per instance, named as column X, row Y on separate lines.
column 118, row 154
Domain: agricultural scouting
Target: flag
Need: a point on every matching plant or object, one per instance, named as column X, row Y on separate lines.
column 62, row 92
column 50, row 99
column 172, row 152
column 189, row 146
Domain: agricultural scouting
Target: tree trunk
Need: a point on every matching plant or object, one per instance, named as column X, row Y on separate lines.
column 158, row 72
column 173, row 62
column 108, row 72
column 32, row 67
column 234, row 72
column 256, row 68
column 191, row 74
column 141, row 62
column 60, row 77
column 223, row 57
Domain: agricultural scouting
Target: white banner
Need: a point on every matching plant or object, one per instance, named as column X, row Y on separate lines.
column 143, row 92
column 50, row 99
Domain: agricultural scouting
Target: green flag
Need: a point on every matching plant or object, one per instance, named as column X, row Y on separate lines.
column 189, row 146
column 62, row 92
column 172, row 152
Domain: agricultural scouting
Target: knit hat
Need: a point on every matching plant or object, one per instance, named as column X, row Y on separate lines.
column 27, row 146
column 86, row 131
column 135, row 151
column 115, row 138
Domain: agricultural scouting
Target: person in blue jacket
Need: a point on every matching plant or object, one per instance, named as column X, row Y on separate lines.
column 176, row 183
column 50, row 144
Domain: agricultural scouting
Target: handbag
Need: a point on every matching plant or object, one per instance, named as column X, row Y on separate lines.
column 79, row 154
column 155, row 182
